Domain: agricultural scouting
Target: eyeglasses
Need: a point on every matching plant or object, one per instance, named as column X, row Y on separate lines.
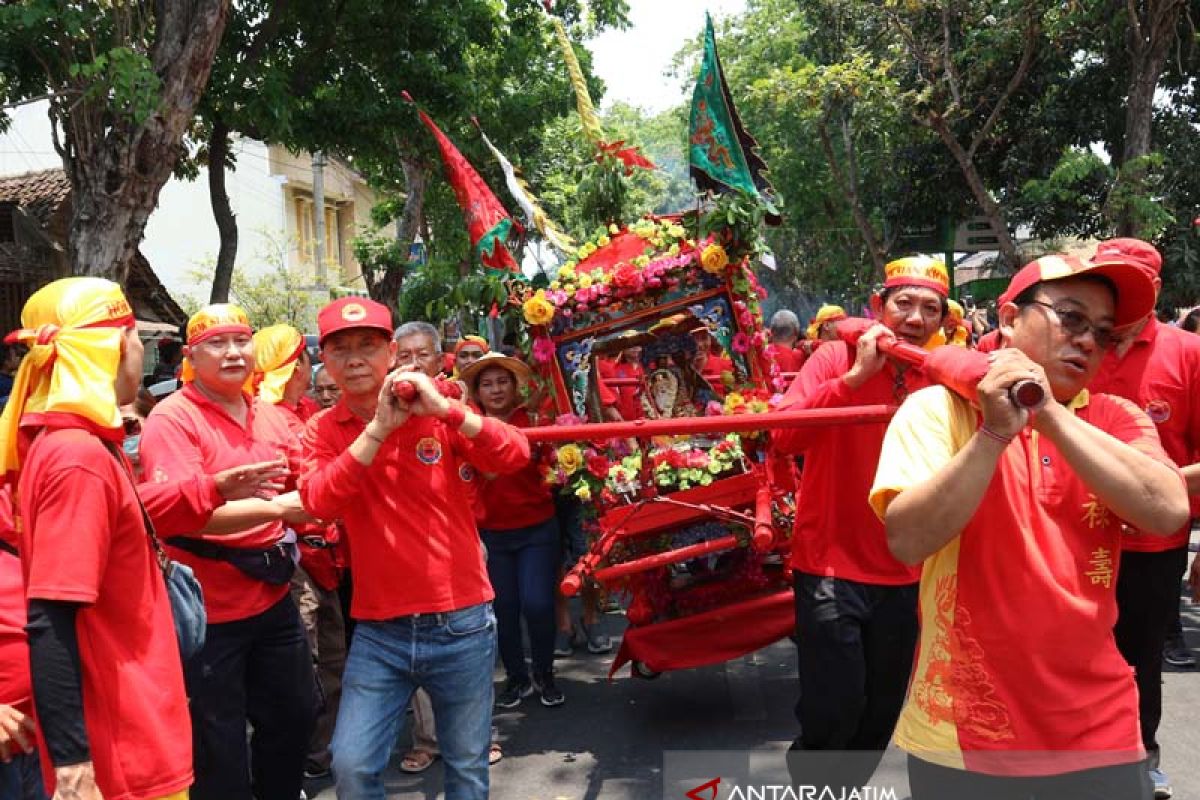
column 1078, row 324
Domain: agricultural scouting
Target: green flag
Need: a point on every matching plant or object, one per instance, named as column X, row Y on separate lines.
column 722, row 155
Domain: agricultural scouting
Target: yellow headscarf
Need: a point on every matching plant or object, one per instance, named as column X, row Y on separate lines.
column 276, row 350
column 825, row 314
column 73, row 328
column 961, row 335
column 211, row 321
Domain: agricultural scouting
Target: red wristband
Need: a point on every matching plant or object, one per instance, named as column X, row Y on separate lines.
column 991, row 434
column 456, row 415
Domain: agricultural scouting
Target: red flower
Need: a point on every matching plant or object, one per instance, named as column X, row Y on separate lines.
column 627, row 276
column 598, row 466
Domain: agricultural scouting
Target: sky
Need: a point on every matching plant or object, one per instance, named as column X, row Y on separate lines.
column 633, row 62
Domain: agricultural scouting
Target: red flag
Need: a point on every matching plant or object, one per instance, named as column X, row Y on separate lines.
column 488, row 224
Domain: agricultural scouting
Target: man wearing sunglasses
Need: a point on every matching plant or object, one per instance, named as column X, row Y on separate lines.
column 1156, row 367
column 1018, row 689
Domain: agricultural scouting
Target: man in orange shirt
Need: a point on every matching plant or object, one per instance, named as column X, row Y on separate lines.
column 1156, row 367
column 856, row 619
column 1018, row 689
column 395, row 472
column 255, row 666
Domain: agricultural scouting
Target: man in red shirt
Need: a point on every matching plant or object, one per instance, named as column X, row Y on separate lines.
column 255, row 666
column 856, row 622
column 395, row 472
column 785, row 331
column 1018, row 689
column 107, row 684
column 1156, row 367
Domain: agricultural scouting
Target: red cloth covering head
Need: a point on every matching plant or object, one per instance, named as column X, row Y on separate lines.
column 215, row 320
column 1129, row 251
column 1133, row 282
column 353, row 312
column 474, row 341
column 923, row 271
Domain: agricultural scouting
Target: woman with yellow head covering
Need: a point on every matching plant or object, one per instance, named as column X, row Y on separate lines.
column 107, row 680
column 818, row 327
column 281, row 377
column 282, row 369
column 954, row 330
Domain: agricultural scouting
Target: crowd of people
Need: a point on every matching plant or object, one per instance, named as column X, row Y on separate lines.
column 991, row 586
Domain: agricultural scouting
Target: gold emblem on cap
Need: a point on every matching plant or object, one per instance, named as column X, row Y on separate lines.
column 353, row 312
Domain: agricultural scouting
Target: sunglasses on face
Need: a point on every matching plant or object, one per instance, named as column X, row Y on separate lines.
column 1077, row 324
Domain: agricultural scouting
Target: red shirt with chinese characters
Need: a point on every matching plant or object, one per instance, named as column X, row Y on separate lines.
column 836, row 534
column 1016, row 671
column 188, row 434
column 82, row 540
column 517, row 500
column 414, row 547
column 1160, row 373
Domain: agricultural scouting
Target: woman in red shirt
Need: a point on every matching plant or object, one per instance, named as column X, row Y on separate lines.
column 520, row 531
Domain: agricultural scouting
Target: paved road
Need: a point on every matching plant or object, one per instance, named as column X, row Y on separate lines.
column 607, row 741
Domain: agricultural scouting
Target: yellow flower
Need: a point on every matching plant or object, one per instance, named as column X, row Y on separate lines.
column 641, row 261
column 759, row 407
column 538, row 310
column 714, row 259
column 673, row 250
column 555, row 285
column 613, row 229
column 570, row 458
column 583, row 492
column 585, row 281
column 603, row 240
column 566, row 272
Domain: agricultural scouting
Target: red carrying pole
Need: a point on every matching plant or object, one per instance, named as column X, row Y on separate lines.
column 669, row 557
column 737, row 423
column 764, row 529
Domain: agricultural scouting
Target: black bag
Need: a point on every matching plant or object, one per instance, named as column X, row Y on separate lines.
column 273, row 565
column 183, row 590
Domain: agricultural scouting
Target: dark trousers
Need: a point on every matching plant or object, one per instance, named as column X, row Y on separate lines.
column 1122, row 782
column 523, row 567
column 855, row 644
column 1147, row 589
column 256, row 670
column 21, row 778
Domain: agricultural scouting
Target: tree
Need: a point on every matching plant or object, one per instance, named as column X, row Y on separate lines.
column 123, row 81
column 320, row 76
column 1152, row 27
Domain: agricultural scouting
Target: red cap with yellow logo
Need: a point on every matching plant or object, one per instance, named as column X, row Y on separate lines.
column 353, row 312
column 1135, row 288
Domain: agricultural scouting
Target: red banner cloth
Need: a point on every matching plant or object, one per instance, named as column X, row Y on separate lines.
column 709, row 637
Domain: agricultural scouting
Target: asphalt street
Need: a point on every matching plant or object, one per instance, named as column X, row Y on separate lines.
column 608, row 741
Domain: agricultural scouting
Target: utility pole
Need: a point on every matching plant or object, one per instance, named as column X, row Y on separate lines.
column 318, row 168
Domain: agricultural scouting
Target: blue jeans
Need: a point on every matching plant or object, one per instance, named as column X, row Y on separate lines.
column 523, row 566
column 21, row 778
column 450, row 656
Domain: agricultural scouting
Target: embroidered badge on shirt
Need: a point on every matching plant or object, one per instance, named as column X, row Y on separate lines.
column 1159, row 411
column 1102, row 567
column 1095, row 513
column 429, row 450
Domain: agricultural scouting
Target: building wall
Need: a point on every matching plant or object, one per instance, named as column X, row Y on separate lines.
column 181, row 237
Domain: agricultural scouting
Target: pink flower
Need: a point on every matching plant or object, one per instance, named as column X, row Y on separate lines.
column 713, row 409
column 568, row 419
column 740, row 343
column 543, row 350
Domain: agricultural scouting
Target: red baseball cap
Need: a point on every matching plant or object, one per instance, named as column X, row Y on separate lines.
column 1134, row 285
column 353, row 312
column 1131, row 251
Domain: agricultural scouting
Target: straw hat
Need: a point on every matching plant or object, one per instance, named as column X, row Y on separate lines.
column 519, row 369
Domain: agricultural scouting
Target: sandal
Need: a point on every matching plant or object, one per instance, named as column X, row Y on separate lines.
column 494, row 753
column 417, row 761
